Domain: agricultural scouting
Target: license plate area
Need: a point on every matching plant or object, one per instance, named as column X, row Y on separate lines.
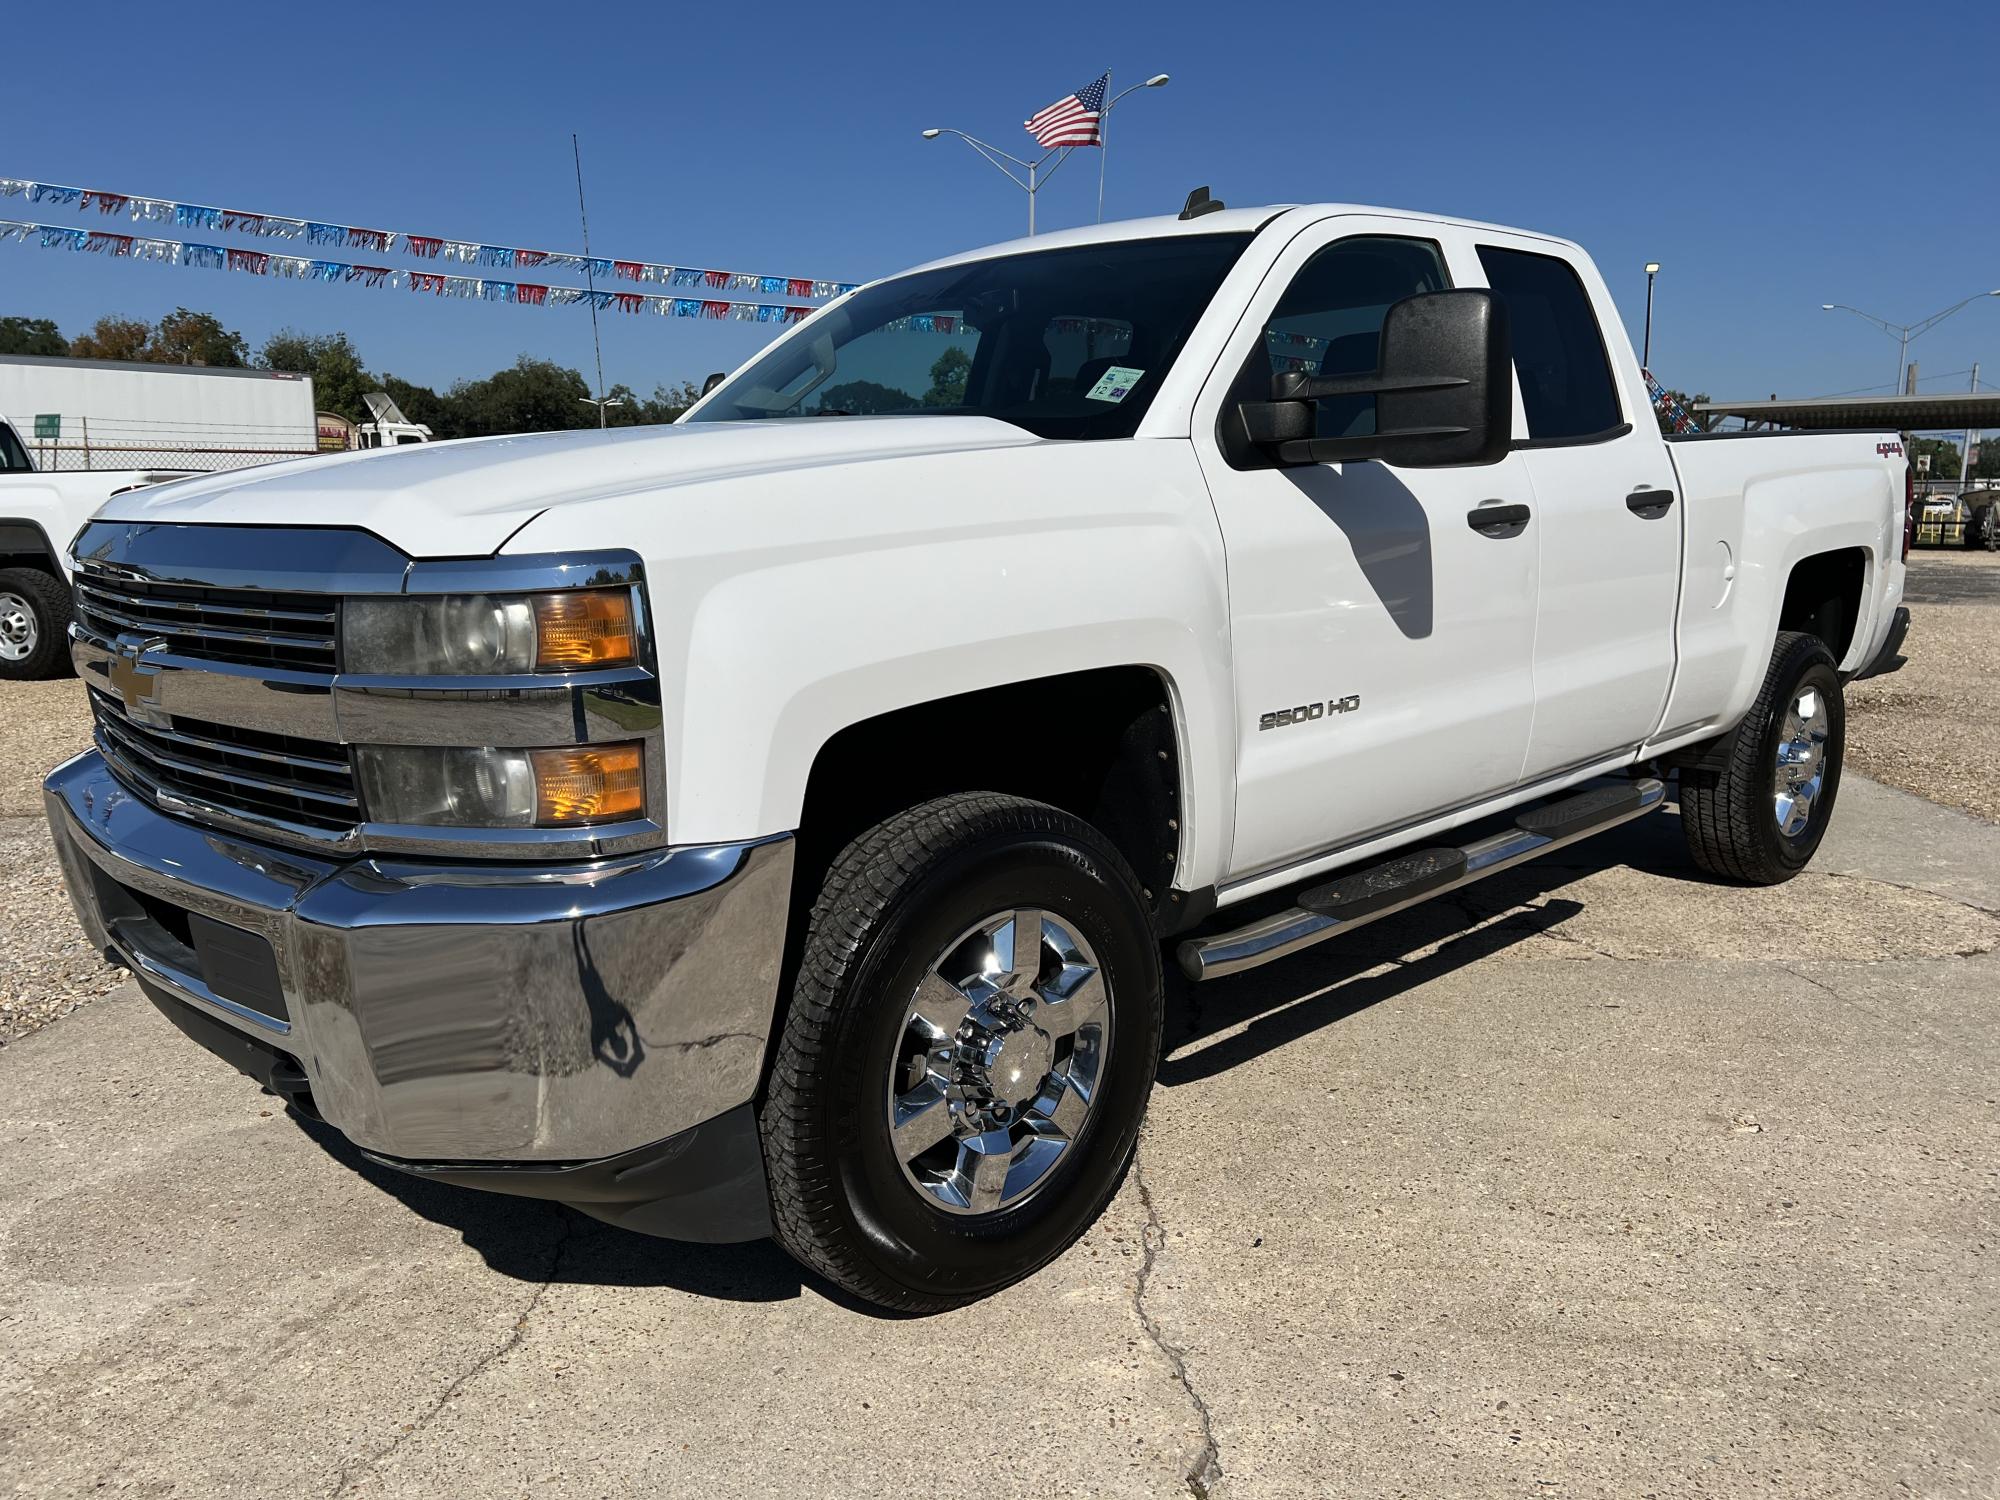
column 238, row 965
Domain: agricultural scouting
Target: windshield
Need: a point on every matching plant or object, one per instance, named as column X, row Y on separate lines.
column 1068, row 343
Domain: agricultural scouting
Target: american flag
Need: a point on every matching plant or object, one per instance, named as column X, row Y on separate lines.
column 1073, row 120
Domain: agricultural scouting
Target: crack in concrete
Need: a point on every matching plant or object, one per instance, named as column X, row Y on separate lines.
column 351, row 1474
column 1898, row 885
column 1206, row 1473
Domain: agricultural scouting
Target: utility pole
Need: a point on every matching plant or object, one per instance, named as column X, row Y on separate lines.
column 1036, row 177
column 589, row 280
column 1971, row 436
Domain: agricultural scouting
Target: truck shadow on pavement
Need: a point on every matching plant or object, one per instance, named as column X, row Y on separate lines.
column 534, row 1240
column 531, row 1239
column 1294, row 997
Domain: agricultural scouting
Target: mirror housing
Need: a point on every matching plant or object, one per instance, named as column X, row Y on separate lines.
column 713, row 381
column 1443, row 389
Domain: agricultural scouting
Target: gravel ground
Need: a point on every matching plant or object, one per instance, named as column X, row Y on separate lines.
column 42, row 724
column 1932, row 728
column 46, row 968
column 50, row 970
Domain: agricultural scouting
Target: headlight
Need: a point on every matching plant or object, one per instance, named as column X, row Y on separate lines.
column 451, row 787
column 487, row 635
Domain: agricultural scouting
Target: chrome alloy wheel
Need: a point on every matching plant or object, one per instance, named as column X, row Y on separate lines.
column 1800, row 774
column 1001, row 1055
column 18, row 630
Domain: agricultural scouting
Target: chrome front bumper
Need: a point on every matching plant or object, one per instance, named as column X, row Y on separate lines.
column 450, row 1013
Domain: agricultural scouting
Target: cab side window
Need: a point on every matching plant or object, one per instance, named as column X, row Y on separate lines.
column 1567, row 392
column 1329, row 322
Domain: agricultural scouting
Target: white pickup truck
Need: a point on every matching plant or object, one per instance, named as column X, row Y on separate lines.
column 774, row 823
column 39, row 513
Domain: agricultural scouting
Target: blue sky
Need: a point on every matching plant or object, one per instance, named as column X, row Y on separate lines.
column 1772, row 157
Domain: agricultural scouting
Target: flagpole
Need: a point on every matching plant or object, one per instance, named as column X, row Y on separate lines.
column 1103, row 146
column 1158, row 80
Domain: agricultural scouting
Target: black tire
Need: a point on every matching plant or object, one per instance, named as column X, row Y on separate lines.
column 1727, row 800
column 894, row 898
column 45, row 599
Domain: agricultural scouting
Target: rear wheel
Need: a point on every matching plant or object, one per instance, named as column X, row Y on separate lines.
column 1758, row 806
column 968, row 1051
column 34, row 624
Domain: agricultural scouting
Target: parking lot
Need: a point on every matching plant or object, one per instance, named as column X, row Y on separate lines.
column 1597, row 1179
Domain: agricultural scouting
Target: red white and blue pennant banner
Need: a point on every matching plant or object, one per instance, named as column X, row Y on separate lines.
column 422, row 246
column 439, row 283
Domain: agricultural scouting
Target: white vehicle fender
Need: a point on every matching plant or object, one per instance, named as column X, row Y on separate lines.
column 1734, row 592
column 791, row 606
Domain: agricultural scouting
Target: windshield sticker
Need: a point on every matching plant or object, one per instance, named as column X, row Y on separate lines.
column 1115, row 384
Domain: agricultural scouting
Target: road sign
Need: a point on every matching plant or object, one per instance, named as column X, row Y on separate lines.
column 48, row 425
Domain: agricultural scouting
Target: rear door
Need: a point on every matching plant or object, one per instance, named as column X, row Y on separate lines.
column 1607, row 517
column 1382, row 646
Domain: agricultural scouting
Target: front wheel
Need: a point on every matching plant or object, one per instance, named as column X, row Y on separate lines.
column 1757, row 808
column 34, row 624
column 968, row 1051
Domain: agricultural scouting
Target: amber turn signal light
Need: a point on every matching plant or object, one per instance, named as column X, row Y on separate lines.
column 585, row 628
column 588, row 784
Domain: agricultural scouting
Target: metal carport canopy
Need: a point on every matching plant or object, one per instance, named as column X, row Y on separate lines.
column 1900, row 413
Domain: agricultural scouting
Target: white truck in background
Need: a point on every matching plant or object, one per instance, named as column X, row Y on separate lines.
column 40, row 511
column 390, row 428
column 116, row 414
column 773, row 823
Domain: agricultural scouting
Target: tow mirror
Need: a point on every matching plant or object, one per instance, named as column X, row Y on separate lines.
column 1443, row 389
column 713, row 381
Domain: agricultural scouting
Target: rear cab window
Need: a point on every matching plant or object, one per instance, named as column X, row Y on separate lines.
column 1568, row 394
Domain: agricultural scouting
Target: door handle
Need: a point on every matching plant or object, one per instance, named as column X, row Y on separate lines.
column 1650, row 504
column 1491, row 520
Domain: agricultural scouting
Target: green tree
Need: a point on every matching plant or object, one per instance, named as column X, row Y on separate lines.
column 192, row 338
column 669, row 401
column 339, row 381
column 948, row 377
column 422, row 404
column 1987, row 465
column 112, row 337
column 31, row 336
column 865, row 398
column 533, row 395
column 1946, row 460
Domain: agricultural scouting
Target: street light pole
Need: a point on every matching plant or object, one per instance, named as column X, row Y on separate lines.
column 1158, row 80
column 1646, row 352
column 1036, row 177
column 1905, row 333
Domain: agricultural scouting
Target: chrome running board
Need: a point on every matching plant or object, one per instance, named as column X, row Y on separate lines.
column 1358, row 898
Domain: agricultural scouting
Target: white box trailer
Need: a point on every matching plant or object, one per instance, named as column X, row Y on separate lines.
column 109, row 414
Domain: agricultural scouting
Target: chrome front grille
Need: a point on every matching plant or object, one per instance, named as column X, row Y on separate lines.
column 307, row 783
column 255, row 627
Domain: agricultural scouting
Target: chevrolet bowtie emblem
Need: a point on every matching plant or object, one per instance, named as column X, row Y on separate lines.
column 136, row 681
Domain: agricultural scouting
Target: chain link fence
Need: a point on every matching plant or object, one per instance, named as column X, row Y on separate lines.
column 90, row 443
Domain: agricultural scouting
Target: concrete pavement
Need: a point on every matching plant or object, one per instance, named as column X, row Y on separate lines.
column 1600, row 1180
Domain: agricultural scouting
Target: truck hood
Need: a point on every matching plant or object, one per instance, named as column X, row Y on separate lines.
column 465, row 498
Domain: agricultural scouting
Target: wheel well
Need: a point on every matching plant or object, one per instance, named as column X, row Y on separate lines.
column 22, row 545
column 1099, row 744
column 1823, row 597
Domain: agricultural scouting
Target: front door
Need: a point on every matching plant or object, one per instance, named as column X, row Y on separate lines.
column 1382, row 642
